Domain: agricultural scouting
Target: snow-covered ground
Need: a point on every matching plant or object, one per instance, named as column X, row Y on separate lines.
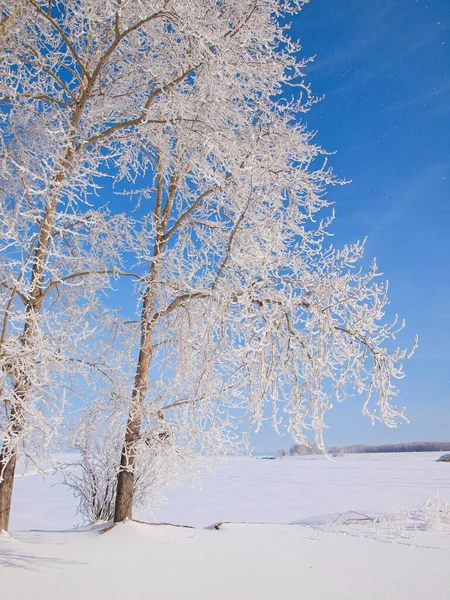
column 254, row 489
column 355, row 541
column 292, row 489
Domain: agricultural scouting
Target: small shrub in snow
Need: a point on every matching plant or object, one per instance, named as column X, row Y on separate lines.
column 435, row 513
column 94, row 482
column 93, row 478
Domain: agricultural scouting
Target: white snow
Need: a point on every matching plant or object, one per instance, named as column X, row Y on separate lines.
column 405, row 556
column 288, row 490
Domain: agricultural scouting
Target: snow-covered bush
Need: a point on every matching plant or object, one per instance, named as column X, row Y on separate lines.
column 93, row 480
column 93, row 477
column 435, row 513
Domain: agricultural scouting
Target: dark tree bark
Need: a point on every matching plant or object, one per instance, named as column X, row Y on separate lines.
column 125, row 482
column 7, row 467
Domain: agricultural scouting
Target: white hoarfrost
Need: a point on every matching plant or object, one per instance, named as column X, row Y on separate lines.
column 246, row 312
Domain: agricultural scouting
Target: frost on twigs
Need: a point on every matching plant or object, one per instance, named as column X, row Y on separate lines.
column 433, row 515
column 93, row 476
column 399, row 523
column 245, row 311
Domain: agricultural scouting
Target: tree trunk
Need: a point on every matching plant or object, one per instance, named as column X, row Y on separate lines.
column 125, row 481
column 8, row 457
column 125, row 488
column 7, row 469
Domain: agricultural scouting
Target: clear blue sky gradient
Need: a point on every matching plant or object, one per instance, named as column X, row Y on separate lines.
column 384, row 68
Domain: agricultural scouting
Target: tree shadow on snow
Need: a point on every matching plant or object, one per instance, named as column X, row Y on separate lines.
column 15, row 559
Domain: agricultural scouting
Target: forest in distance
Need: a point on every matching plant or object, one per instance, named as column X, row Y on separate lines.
column 305, row 450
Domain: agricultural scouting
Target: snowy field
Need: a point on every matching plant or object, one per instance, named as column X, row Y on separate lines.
column 361, row 532
column 258, row 490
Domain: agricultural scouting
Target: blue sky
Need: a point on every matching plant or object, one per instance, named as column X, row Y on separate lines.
column 384, row 68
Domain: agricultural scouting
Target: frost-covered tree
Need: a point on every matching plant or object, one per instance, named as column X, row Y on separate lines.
column 47, row 348
column 77, row 81
column 246, row 312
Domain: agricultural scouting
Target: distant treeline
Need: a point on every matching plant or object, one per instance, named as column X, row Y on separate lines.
column 308, row 450
column 408, row 447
